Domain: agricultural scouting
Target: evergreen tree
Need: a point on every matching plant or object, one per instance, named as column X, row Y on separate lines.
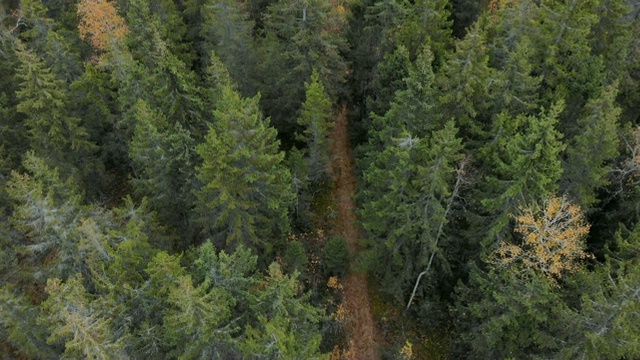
column 316, row 120
column 79, row 322
column 57, row 47
column 390, row 77
column 46, row 213
column 463, row 87
column 246, row 189
column 504, row 315
column 198, row 322
column 408, row 195
column 43, row 100
column 605, row 325
column 163, row 162
column 301, row 36
column 20, row 328
column 524, row 158
column 287, row 324
column 427, row 23
column 226, row 30
column 589, row 155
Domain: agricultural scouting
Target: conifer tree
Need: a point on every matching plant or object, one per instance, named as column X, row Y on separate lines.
column 80, row 323
column 46, row 213
column 589, row 155
column 197, row 323
column 226, row 29
column 427, row 23
column 390, row 77
column 18, row 319
column 58, row 48
column 53, row 134
column 287, row 324
column 605, row 325
column 463, row 87
column 246, row 190
column 301, row 36
column 524, row 158
column 501, row 314
column 316, row 120
column 407, row 199
column 163, row 160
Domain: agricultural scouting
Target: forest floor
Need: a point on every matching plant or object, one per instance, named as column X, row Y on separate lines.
column 360, row 326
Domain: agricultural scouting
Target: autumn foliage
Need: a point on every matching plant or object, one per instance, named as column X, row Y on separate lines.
column 100, row 23
column 552, row 238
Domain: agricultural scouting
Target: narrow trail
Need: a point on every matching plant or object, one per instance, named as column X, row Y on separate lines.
column 360, row 325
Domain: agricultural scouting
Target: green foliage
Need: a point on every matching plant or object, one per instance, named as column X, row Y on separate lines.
column 463, row 87
column 226, row 30
column 43, row 100
column 316, row 121
column 587, row 167
column 408, row 192
column 335, row 257
column 246, row 190
column 163, row 158
column 302, row 36
column 80, row 323
column 47, row 213
column 287, row 325
column 502, row 315
column 19, row 327
column 524, row 158
column 389, row 78
column 197, row 324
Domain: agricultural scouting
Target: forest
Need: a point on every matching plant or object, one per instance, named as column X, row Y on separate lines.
column 320, row 179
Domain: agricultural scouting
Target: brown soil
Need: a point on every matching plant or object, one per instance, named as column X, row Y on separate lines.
column 360, row 325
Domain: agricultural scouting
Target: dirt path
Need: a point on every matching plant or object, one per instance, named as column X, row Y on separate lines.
column 360, row 326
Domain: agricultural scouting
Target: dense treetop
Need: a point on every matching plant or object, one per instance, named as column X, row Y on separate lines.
column 166, row 177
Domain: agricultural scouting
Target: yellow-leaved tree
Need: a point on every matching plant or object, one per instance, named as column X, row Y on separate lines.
column 552, row 238
column 99, row 23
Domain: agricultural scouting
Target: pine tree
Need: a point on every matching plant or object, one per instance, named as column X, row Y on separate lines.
column 427, row 23
column 246, row 189
column 503, row 315
column 59, row 48
column 19, row 327
column 197, row 323
column 390, row 77
column 226, row 30
column 605, row 325
column 316, row 120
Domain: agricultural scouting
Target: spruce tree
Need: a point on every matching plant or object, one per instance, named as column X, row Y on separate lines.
column 287, row 323
column 316, row 120
column 589, row 156
column 43, row 99
column 82, row 325
column 409, row 189
column 163, row 161
column 246, row 190
column 525, row 167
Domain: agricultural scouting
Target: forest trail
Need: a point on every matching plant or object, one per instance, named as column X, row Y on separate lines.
column 360, row 325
